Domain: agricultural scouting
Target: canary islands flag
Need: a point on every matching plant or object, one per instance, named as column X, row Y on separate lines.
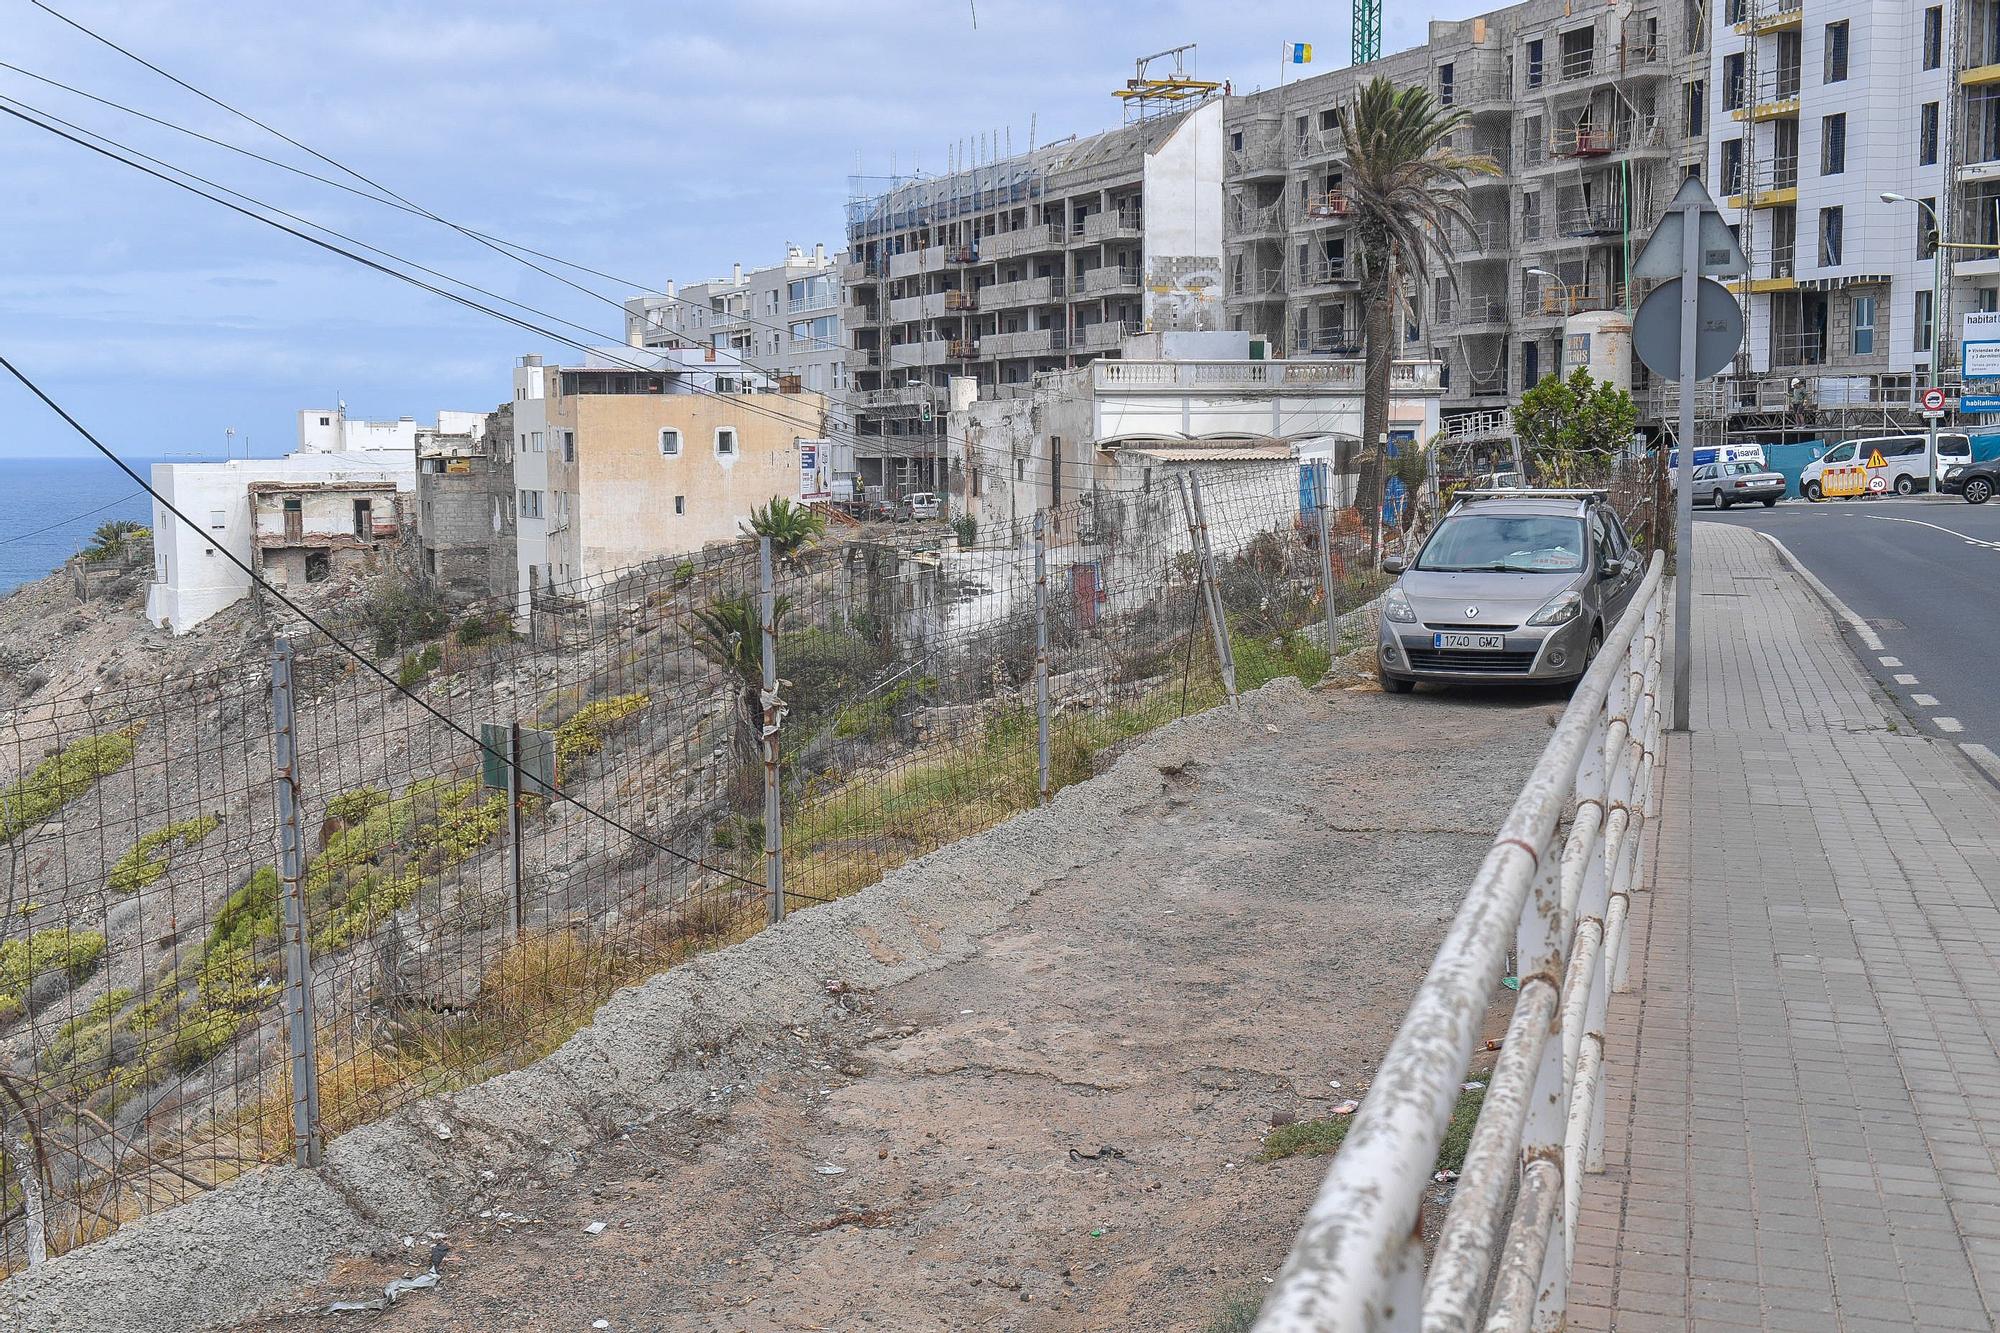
column 1302, row 53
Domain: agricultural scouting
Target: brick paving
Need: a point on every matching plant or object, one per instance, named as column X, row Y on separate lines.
column 1803, row 1097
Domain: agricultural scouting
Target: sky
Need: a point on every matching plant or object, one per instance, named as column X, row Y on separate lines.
column 649, row 139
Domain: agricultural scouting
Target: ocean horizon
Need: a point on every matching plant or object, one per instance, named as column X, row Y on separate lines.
column 54, row 504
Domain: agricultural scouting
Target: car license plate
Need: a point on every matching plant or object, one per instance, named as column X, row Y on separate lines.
column 1478, row 643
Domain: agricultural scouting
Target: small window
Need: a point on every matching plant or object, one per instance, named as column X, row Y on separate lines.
column 535, row 440
column 1920, row 327
column 1836, row 52
column 1933, row 36
column 680, row 504
column 1236, row 141
column 1535, row 64
column 1864, row 325
column 217, row 519
column 1927, row 134
column 326, row 421
column 569, row 446
column 670, row 443
column 725, row 442
column 1692, row 98
column 1832, row 229
column 1447, row 79
column 1833, row 145
column 1734, row 85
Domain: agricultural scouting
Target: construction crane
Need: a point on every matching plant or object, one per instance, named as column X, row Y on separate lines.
column 1149, row 94
column 1367, row 31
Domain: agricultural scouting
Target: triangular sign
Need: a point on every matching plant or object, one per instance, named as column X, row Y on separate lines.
column 1720, row 255
column 1876, row 460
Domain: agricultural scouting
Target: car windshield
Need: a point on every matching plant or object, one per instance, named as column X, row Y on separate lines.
column 1505, row 543
column 1741, row 469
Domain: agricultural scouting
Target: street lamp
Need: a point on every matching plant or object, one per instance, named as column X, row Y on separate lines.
column 1937, row 322
column 1556, row 278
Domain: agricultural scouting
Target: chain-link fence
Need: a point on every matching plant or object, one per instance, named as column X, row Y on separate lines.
column 500, row 819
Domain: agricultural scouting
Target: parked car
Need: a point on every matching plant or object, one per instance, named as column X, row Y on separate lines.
column 1904, row 465
column 1725, row 484
column 922, row 504
column 1508, row 587
column 1975, row 481
column 1497, row 481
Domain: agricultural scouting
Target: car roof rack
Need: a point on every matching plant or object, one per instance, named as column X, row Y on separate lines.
column 1530, row 493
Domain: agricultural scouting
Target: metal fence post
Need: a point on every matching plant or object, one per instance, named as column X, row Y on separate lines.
column 1044, row 787
column 291, row 870
column 774, row 712
column 1225, row 657
column 514, row 826
column 1323, row 474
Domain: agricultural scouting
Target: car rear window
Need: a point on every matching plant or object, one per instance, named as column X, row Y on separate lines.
column 1505, row 543
column 1741, row 469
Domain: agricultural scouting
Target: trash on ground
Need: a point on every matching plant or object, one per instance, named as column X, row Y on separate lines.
column 1333, row 1083
column 391, row 1293
column 1444, row 1177
column 1102, row 1153
column 829, row 1169
column 600, row 1323
column 1470, row 1084
column 596, row 1228
column 1511, row 983
column 1348, row 1107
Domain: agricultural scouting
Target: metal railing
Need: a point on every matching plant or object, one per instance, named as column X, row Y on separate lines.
column 1553, row 892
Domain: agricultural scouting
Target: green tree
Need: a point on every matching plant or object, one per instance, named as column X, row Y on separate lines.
column 114, row 538
column 1571, row 429
column 729, row 632
column 791, row 527
column 1403, row 182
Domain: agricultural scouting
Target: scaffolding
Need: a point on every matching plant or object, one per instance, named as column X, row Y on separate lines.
column 1147, row 93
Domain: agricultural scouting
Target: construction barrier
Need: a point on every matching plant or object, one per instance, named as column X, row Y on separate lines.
column 1842, row 480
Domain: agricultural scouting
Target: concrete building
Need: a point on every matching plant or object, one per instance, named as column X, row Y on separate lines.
column 465, row 507
column 1167, row 403
column 337, row 504
column 614, row 465
column 785, row 319
column 1593, row 113
column 1012, row 269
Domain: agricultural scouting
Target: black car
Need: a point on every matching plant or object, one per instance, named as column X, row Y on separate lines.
column 1975, row 481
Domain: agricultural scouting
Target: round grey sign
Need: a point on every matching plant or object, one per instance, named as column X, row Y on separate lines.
column 1656, row 329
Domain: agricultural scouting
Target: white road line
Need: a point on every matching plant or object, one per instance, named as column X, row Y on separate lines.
column 1924, row 700
column 1983, row 756
column 1905, row 678
column 1967, row 538
column 1869, row 639
column 1890, row 661
column 1948, row 724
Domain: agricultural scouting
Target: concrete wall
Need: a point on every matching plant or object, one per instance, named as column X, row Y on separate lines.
column 465, row 508
column 1182, row 249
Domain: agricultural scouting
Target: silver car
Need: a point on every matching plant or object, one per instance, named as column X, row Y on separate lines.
column 1512, row 585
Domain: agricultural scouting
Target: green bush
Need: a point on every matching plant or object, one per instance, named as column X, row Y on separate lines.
column 399, row 611
column 825, row 668
column 475, row 630
column 61, row 778
column 58, row 949
column 583, row 734
column 418, row 666
column 886, row 714
column 967, row 528
column 149, row 857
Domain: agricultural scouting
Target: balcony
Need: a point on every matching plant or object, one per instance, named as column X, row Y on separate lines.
column 1577, row 64
column 826, row 300
column 1584, row 221
column 1798, row 349
column 1979, row 151
column 1768, row 16
column 1462, row 311
column 863, row 358
column 1118, row 224
column 1026, row 342
column 909, row 309
column 910, row 263
column 961, row 301
column 1322, row 272
column 1580, row 141
column 1106, row 334
column 1037, row 239
column 1250, row 286
column 1287, row 376
column 962, row 349
column 1108, row 279
column 1332, row 206
column 1315, row 144
column 1481, row 239
column 1338, row 341
column 1562, row 301
column 903, row 400
column 1022, row 292
column 1249, row 220
column 861, row 271
column 920, row 352
column 1261, row 156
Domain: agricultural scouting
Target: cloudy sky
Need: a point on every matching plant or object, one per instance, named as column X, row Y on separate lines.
column 646, row 138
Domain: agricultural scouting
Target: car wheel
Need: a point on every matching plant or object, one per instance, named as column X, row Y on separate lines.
column 1906, row 485
column 1589, row 656
column 1391, row 685
column 1715, row 501
column 1978, row 491
column 1772, row 500
column 1812, row 492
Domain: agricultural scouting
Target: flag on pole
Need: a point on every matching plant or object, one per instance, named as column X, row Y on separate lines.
column 1302, row 53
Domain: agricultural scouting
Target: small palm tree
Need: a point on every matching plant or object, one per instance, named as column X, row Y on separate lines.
column 110, row 539
column 729, row 632
column 791, row 527
column 1403, row 182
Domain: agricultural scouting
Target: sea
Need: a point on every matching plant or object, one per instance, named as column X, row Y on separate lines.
column 50, row 506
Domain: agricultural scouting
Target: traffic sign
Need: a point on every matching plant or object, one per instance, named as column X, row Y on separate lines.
column 1876, row 460
column 1656, row 329
column 1933, row 400
column 1877, row 485
column 1720, row 255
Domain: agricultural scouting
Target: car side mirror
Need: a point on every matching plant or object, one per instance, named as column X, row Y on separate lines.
column 1393, row 564
column 1610, row 568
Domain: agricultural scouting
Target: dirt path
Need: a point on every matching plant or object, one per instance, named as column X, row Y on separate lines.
column 933, row 1156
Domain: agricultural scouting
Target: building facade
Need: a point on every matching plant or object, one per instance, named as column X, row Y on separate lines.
column 614, row 466
column 1024, row 266
column 465, row 507
column 1591, row 115
column 785, row 319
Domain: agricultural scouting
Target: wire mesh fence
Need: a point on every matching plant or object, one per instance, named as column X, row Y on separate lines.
column 530, row 811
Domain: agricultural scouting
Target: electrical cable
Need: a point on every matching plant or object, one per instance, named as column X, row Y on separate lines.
column 65, row 522
column 342, row 644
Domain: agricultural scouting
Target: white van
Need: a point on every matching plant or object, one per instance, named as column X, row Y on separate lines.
column 1903, row 460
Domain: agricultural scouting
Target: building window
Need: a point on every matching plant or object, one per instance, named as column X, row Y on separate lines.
column 725, row 442
column 1535, row 63
column 1733, row 84
column 364, row 520
column 1732, row 167
column 670, row 443
column 680, row 504
column 217, row 519
column 1927, row 134
column 1864, row 325
column 1933, row 36
column 1832, row 225
column 1836, row 52
column 1692, row 99
column 569, row 446
column 1833, row 145
column 1447, row 79
column 535, row 440
column 326, row 421
column 1920, row 327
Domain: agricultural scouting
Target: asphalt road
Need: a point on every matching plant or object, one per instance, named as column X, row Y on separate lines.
column 1924, row 573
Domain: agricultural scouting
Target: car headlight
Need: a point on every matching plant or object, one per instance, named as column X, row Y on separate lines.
column 1953, row 471
column 1397, row 607
column 1558, row 610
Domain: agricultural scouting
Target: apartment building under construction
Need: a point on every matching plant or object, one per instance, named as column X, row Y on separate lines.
column 1033, row 262
column 1591, row 113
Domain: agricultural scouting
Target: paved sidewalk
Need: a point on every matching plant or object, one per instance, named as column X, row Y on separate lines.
column 1804, row 1084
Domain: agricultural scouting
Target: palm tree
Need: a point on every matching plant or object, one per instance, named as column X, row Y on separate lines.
column 729, row 632
column 1403, row 180
column 791, row 527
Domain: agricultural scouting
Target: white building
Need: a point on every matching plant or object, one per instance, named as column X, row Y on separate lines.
column 784, row 319
column 332, row 504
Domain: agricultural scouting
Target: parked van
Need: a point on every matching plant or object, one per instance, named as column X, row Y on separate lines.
column 1728, row 453
column 1904, row 466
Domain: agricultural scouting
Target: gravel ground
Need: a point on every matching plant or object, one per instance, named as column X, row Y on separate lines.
column 1041, row 1112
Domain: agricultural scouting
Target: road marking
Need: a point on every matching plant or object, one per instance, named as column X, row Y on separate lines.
column 1983, row 756
column 1948, row 724
column 1924, row 700
column 1967, row 538
column 1869, row 638
column 1905, row 678
column 1891, row 661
